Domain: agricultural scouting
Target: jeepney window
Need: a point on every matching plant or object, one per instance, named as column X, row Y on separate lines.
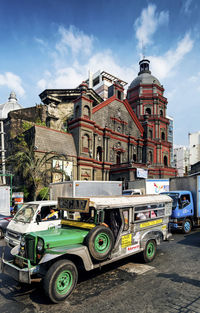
column 149, row 212
column 126, row 219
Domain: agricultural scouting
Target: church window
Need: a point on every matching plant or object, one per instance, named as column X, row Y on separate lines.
column 118, row 159
column 119, row 95
column 165, row 161
column 148, row 111
column 150, row 134
column 134, row 157
column 150, row 157
column 99, row 154
column 86, row 111
column 163, row 136
column 86, row 141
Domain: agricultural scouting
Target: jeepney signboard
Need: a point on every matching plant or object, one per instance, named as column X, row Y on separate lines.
column 126, row 241
column 71, row 204
column 151, row 223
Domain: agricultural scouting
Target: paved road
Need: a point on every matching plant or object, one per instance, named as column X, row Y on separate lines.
column 171, row 284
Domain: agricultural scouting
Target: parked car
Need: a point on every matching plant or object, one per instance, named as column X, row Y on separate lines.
column 4, row 221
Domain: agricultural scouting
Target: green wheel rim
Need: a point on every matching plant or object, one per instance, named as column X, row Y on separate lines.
column 64, row 282
column 150, row 250
column 102, row 243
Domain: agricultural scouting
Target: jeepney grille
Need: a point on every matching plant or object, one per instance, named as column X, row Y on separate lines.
column 30, row 248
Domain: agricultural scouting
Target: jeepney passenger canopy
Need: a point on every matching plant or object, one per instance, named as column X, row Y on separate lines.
column 109, row 202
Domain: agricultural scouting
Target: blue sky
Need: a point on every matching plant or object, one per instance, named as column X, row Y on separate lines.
column 54, row 43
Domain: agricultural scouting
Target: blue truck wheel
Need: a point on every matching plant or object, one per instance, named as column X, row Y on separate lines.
column 187, row 226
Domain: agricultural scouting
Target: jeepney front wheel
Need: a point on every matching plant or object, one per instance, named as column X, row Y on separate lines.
column 149, row 252
column 100, row 242
column 187, row 226
column 60, row 280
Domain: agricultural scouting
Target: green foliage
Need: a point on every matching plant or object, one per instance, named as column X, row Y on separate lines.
column 32, row 169
column 43, row 194
column 26, row 125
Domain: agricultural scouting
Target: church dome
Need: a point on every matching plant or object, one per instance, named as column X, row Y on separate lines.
column 10, row 105
column 144, row 76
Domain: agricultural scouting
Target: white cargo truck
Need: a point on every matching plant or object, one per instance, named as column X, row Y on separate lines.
column 82, row 188
column 150, row 186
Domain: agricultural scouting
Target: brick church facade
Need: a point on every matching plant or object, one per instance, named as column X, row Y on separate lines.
column 109, row 140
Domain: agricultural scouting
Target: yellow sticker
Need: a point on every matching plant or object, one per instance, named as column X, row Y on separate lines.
column 164, row 226
column 126, row 241
column 150, row 223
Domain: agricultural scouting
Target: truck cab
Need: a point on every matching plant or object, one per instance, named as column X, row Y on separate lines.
column 182, row 210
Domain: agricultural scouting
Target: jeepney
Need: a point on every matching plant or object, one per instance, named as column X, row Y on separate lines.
column 108, row 229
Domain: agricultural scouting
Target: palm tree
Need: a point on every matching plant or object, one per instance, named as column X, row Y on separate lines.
column 35, row 170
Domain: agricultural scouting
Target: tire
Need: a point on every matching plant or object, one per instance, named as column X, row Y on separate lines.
column 149, row 252
column 60, row 280
column 1, row 233
column 100, row 242
column 187, row 226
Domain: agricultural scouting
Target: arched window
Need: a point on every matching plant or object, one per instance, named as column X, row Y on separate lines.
column 86, row 112
column 150, row 133
column 148, row 111
column 161, row 112
column 163, row 136
column 118, row 159
column 99, row 154
column 86, row 143
column 165, row 161
column 150, row 157
column 134, row 157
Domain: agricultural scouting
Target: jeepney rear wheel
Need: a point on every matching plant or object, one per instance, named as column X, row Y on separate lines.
column 149, row 252
column 100, row 242
column 187, row 226
column 60, row 280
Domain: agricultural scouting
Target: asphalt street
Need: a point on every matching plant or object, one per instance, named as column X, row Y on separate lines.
column 171, row 284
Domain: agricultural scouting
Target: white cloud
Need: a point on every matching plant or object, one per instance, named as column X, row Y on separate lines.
column 163, row 66
column 75, row 40
column 187, row 6
column 13, row 82
column 147, row 24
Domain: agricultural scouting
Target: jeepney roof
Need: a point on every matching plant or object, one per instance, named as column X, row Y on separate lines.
column 127, row 200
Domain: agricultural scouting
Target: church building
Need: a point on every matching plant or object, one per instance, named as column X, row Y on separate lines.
column 120, row 138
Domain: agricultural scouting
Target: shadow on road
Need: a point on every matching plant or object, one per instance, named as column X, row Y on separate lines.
column 192, row 239
column 180, row 279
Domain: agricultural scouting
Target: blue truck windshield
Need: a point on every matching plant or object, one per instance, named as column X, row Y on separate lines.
column 174, row 197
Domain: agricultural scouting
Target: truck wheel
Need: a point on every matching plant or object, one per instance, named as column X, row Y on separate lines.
column 60, row 280
column 187, row 226
column 100, row 242
column 149, row 252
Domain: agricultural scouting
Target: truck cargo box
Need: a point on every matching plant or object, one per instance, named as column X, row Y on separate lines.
column 80, row 188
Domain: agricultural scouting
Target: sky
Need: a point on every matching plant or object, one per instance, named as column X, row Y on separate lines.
column 55, row 43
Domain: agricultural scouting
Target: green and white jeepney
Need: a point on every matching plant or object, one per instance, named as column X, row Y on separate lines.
column 106, row 229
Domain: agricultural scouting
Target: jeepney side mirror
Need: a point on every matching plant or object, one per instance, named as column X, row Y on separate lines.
column 38, row 218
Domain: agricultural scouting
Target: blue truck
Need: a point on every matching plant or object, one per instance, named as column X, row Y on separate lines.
column 185, row 192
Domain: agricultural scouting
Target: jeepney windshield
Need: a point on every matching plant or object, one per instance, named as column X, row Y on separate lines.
column 26, row 213
column 174, row 197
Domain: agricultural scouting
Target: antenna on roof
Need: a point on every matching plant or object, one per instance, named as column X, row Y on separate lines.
column 143, row 50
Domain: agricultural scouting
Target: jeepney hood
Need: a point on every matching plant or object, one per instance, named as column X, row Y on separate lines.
column 61, row 236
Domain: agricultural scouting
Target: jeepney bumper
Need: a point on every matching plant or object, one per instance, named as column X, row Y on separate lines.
column 19, row 274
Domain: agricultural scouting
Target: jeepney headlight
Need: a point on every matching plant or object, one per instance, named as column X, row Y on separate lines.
column 22, row 242
column 40, row 245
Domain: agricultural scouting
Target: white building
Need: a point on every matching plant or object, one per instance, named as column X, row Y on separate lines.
column 194, row 145
column 5, row 108
column 181, row 160
column 101, row 81
column 171, row 138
